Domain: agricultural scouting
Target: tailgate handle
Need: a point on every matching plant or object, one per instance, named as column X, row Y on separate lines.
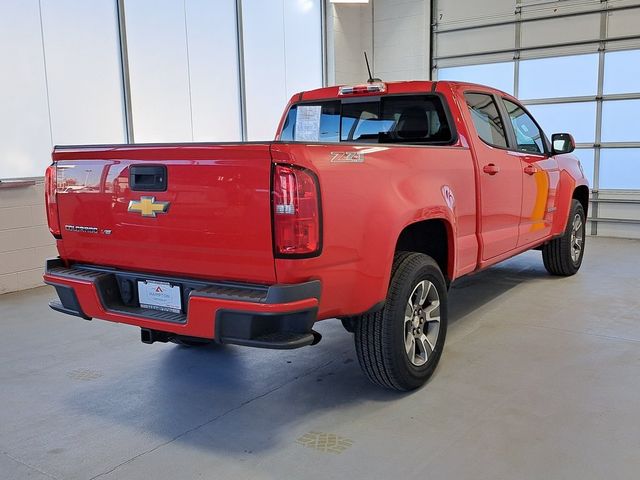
column 148, row 178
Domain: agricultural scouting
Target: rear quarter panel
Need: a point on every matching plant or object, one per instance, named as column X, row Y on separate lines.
column 366, row 206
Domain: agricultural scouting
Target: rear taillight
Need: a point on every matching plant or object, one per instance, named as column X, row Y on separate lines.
column 296, row 212
column 51, row 200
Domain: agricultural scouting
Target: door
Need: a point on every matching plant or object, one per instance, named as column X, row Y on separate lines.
column 539, row 174
column 500, row 173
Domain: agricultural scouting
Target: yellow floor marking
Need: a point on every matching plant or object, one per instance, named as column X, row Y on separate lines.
column 325, row 442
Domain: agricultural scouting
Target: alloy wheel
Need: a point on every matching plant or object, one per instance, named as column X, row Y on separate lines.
column 422, row 322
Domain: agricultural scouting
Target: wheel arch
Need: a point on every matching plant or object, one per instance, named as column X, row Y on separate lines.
column 568, row 189
column 581, row 193
column 433, row 237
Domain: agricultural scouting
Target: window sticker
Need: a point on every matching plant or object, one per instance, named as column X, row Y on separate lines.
column 308, row 123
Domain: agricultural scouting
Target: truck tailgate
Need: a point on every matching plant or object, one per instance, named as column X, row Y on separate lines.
column 212, row 219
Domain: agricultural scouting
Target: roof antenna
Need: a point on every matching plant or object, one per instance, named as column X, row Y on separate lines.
column 371, row 78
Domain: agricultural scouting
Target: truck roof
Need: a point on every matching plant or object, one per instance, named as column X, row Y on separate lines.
column 411, row 86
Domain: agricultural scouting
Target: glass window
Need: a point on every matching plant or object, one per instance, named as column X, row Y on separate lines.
column 528, row 135
column 578, row 119
column 496, row 75
column 585, row 155
column 328, row 127
column 415, row 119
column 569, row 76
column 401, row 119
column 486, row 119
column 360, row 122
column 620, row 121
column 619, row 168
column 622, row 72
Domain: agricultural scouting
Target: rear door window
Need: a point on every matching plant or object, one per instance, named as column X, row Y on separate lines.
column 413, row 119
column 486, row 118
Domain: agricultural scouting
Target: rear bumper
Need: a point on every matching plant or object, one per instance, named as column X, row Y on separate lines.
column 276, row 316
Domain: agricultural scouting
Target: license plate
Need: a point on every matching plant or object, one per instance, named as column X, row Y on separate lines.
column 159, row 296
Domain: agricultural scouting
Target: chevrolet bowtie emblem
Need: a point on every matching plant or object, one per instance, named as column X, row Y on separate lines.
column 147, row 206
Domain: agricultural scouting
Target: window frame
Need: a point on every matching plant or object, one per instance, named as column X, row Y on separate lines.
column 507, row 137
column 510, row 134
column 452, row 142
column 513, row 139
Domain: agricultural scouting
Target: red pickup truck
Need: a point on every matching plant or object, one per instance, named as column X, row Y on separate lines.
column 370, row 202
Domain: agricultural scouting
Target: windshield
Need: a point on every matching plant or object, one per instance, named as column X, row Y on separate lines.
column 412, row 119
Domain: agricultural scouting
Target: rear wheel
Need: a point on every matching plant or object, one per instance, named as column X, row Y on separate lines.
column 563, row 255
column 399, row 346
column 349, row 323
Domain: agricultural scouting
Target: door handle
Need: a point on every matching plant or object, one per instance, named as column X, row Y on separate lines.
column 148, row 178
column 491, row 169
column 530, row 170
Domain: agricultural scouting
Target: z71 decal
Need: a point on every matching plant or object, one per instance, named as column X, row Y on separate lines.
column 346, row 157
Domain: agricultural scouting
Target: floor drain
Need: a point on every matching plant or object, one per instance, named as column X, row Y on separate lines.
column 84, row 374
column 325, row 442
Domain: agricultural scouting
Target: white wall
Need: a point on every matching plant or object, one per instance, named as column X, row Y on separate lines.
column 158, row 70
column 62, row 78
column 75, row 99
column 183, row 67
column 83, row 71
column 394, row 33
column 349, row 34
column 401, row 39
column 25, row 241
column 25, row 137
column 213, row 70
column 282, row 56
column 61, row 83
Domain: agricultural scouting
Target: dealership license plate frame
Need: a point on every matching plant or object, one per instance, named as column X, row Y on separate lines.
column 158, row 295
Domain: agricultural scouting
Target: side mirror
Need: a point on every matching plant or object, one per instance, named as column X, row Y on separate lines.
column 562, row 143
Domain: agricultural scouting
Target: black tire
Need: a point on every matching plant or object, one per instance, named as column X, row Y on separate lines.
column 349, row 323
column 190, row 342
column 380, row 337
column 558, row 254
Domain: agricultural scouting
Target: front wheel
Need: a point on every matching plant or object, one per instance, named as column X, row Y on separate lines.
column 563, row 255
column 399, row 346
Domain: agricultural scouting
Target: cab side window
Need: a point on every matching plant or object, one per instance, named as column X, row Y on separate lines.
column 486, row 119
column 528, row 135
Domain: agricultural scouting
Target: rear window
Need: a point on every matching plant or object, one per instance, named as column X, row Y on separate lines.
column 413, row 119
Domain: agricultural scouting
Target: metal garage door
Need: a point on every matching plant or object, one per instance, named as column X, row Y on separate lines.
column 576, row 65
